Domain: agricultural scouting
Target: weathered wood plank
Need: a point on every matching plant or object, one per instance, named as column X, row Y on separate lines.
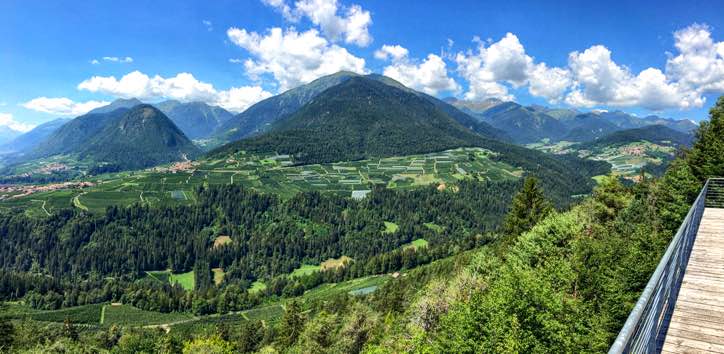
column 697, row 322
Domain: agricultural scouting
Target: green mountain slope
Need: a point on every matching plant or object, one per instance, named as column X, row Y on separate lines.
column 658, row 134
column 72, row 136
column 261, row 115
column 361, row 118
column 141, row 137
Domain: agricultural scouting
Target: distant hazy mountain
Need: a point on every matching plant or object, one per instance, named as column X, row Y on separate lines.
column 119, row 103
column 587, row 127
column 196, row 119
column 523, row 124
column 7, row 134
column 128, row 138
column 35, row 136
column 535, row 122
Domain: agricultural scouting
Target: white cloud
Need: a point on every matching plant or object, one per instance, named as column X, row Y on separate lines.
column 62, row 106
column 394, row 52
column 700, row 63
column 292, row 57
column 429, row 76
column 352, row 26
column 122, row 60
column 235, row 61
column 183, row 87
column 592, row 78
column 485, row 70
column 493, row 68
column 598, row 80
column 7, row 120
column 208, row 24
column 237, row 99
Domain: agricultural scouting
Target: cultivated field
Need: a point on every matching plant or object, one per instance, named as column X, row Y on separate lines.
column 171, row 185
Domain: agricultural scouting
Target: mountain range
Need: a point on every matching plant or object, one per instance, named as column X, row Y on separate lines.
column 533, row 123
column 344, row 116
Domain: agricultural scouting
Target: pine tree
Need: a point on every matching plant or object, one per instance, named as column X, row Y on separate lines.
column 7, row 332
column 706, row 159
column 528, row 207
column 292, row 324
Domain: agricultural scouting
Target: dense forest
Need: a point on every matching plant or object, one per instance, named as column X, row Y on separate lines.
column 533, row 278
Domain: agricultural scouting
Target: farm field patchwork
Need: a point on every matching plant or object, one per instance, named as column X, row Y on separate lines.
column 626, row 160
column 168, row 185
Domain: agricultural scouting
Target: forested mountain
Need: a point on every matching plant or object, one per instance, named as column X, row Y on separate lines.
column 72, row 136
column 132, row 138
column 360, row 118
column 261, row 115
column 141, row 137
column 658, row 134
column 196, row 119
column 587, row 127
column 30, row 139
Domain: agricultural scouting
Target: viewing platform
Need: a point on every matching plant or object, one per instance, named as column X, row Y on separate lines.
column 681, row 310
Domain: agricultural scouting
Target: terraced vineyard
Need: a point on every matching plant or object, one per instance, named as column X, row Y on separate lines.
column 173, row 185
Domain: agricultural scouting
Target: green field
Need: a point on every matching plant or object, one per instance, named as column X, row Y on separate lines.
column 267, row 173
column 415, row 244
column 125, row 315
column 305, row 269
column 186, row 280
column 257, row 286
column 390, row 227
column 434, row 227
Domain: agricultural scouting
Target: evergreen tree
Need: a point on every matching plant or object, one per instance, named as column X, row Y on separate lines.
column 7, row 331
column 528, row 207
column 292, row 324
column 706, row 159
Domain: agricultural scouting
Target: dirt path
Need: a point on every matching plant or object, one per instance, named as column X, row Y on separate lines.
column 77, row 203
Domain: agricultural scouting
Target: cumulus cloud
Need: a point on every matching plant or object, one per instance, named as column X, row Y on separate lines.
column 292, row 57
column 394, row 52
column 62, row 106
column 235, row 61
column 700, row 63
column 429, row 76
column 592, row 78
column 490, row 68
column 7, row 120
column 598, row 80
column 352, row 25
column 183, row 87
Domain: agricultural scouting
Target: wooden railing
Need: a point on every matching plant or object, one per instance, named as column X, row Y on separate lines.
column 645, row 327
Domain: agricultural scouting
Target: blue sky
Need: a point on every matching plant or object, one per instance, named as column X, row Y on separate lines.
column 641, row 57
